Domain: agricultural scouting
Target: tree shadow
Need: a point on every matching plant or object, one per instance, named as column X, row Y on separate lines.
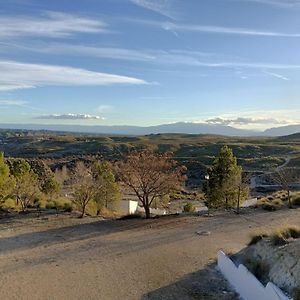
column 73, row 233
column 206, row 284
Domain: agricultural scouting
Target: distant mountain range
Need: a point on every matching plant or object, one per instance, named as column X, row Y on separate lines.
column 181, row 127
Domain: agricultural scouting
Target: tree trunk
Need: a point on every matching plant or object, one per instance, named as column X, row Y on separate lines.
column 238, row 202
column 147, row 211
column 22, row 207
column 82, row 211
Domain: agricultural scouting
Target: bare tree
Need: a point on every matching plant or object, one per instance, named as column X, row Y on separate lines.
column 27, row 185
column 84, row 187
column 27, row 189
column 151, row 176
column 285, row 177
column 243, row 190
column 61, row 175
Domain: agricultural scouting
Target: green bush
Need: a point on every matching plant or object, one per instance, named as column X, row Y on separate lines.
column 9, row 204
column 51, row 205
column 189, row 207
column 67, row 207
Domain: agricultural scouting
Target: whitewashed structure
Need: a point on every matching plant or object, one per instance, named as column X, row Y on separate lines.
column 128, row 207
column 249, row 202
column 245, row 283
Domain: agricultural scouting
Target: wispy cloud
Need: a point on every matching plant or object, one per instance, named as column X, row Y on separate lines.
column 169, row 57
column 50, row 24
column 82, row 50
column 12, row 103
column 279, row 76
column 69, row 116
column 244, row 121
column 279, row 3
column 181, row 27
column 162, row 7
column 16, row 75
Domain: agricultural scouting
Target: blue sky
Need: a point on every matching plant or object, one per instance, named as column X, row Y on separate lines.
column 147, row 62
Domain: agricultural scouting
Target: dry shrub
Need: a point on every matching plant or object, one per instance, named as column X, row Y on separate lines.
column 256, row 238
column 282, row 236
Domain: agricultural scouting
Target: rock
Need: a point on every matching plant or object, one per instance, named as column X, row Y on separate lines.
column 205, row 233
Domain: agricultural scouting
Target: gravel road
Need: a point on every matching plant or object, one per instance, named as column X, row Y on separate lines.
column 68, row 258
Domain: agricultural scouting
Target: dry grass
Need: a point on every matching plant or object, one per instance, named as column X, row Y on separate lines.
column 282, row 236
column 278, row 200
column 255, row 238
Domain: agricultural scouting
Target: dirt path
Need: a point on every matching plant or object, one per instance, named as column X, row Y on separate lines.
column 67, row 258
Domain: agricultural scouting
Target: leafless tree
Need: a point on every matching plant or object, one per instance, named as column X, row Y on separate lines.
column 285, row 177
column 84, row 187
column 243, row 190
column 151, row 176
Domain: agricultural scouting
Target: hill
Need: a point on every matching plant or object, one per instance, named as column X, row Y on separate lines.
column 282, row 131
column 181, row 127
column 290, row 138
column 254, row 153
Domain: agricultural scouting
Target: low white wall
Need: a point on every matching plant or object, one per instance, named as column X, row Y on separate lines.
column 249, row 202
column 245, row 283
column 128, row 207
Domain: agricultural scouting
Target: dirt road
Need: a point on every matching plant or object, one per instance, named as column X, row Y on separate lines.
column 67, row 258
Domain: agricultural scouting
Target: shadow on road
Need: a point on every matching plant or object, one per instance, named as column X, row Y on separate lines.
column 76, row 232
column 206, row 284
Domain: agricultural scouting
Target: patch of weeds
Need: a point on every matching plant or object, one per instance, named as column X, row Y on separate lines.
column 282, row 236
column 269, row 206
column 278, row 202
column 293, row 232
column 50, row 205
column 189, row 207
column 256, row 238
column 67, row 207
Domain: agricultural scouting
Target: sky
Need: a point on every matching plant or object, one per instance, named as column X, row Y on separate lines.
column 150, row 62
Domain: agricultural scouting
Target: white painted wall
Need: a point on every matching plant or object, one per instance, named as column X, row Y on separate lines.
column 128, row 207
column 249, row 202
column 245, row 283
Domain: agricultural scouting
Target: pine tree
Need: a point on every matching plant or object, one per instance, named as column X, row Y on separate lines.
column 225, row 180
